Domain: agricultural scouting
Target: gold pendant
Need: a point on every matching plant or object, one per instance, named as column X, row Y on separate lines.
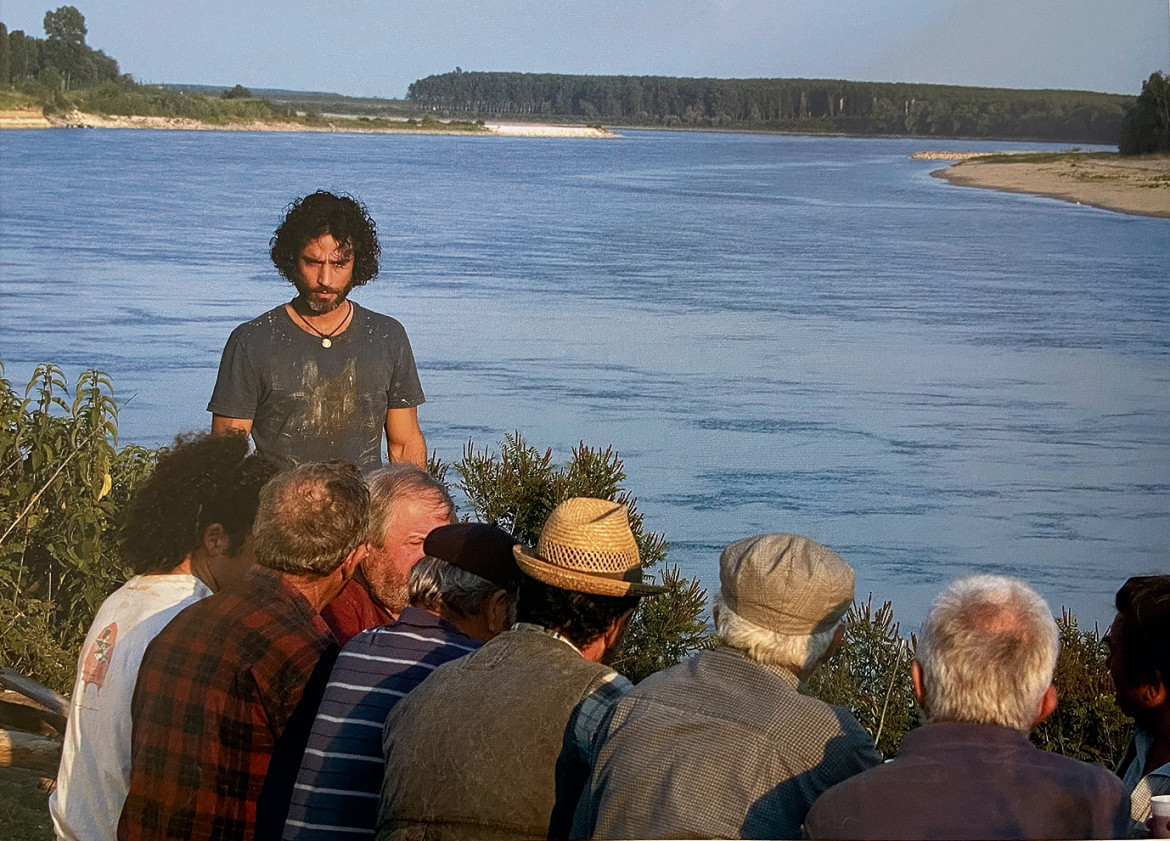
column 326, row 343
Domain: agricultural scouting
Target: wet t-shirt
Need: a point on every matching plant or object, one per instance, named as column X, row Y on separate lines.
column 308, row 402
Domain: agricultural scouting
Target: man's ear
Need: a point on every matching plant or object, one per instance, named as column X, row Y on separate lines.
column 1047, row 705
column 834, row 644
column 613, row 633
column 350, row 564
column 496, row 611
column 1152, row 695
column 215, row 541
column 919, row 684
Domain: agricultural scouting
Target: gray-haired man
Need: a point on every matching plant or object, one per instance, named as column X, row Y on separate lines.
column 723, row 744
column 983, row 677
column 406, row 504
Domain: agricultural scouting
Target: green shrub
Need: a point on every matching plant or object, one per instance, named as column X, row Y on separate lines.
column 1087, row 723
column 870, row 674
column 63, row 485
column 142, row 100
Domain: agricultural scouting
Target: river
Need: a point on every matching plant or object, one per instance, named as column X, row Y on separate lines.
column 776, row 333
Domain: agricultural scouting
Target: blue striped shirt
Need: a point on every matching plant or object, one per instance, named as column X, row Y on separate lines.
column 336, row 793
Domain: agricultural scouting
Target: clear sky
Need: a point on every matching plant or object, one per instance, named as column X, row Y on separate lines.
column 378, row 47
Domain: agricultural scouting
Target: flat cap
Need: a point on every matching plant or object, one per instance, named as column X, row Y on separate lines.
column 786, row 583
column 478, row 548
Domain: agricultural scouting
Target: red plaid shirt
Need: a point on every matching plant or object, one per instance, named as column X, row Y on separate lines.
column 215, row 691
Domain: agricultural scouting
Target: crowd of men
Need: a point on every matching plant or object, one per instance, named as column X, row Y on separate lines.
column 313, row 648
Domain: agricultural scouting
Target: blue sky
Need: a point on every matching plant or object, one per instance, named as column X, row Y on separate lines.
column 377, row 47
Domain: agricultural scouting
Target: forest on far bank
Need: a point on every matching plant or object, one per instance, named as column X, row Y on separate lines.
column 61, row 72
column 806, row 106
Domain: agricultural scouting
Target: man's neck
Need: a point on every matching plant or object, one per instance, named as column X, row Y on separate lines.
column 325, row 322
column 319, row 590
column 1157, row 725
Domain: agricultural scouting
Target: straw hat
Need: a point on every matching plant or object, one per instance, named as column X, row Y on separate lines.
column 587, row 546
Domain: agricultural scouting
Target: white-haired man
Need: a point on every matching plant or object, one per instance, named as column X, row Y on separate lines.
column 983, row 677
column 723, row 744
column 406, row 504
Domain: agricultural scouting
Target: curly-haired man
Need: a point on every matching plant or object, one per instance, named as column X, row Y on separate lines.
column 186, row 533
column 320, row 377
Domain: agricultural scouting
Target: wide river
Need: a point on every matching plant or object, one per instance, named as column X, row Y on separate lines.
column 776, row 333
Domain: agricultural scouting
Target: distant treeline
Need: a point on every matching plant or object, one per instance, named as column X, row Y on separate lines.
column 804, row 105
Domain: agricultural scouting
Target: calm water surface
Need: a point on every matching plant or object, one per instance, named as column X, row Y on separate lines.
column 776, row 333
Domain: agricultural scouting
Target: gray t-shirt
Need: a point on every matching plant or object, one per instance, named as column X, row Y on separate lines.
column 312, row 403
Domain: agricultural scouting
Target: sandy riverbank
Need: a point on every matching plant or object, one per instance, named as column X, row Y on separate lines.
column 1134, row 185
column 34, row 119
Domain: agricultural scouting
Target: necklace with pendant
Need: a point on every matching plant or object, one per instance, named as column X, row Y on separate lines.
column 327, row 338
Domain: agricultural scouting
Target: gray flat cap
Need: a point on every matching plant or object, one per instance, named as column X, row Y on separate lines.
column 786, row 583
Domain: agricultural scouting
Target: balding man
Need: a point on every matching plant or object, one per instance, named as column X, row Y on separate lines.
column 983, row 677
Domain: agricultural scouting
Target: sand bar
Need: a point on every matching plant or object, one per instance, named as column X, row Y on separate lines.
column 1138, row 185
column 540, row 130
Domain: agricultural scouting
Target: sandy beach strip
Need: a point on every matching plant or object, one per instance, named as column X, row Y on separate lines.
column 541, row 130
column 34, row 119
column 1137, row 185
column 24, row 118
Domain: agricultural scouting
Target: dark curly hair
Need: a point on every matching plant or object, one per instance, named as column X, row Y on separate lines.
column 581, row 617
column 343, row 217
column 199, row 480
column 1144, row 605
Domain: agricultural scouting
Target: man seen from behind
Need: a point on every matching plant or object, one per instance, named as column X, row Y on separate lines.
column 220, row 684
column 495, row 745
column 983, row 677
column 726, row 744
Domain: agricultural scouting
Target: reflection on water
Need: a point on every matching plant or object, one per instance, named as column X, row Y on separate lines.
column 776, row 333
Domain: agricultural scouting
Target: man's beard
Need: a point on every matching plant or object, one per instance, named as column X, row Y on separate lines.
column 320, row 307
column 391, row 593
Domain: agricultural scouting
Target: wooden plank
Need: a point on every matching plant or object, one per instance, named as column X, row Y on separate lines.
column 24, row 750
column 23, row 715
column 34, row 691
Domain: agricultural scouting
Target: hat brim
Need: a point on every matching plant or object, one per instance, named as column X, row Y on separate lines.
column 580, row 582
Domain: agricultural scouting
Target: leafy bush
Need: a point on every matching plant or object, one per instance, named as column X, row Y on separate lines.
column 870, row 674
column 1087, row 723
column 146, row 101
column 63, row 485
column 518, row 487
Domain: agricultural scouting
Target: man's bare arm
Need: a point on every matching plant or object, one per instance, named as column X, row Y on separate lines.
column 223, row 425
column 404, row 440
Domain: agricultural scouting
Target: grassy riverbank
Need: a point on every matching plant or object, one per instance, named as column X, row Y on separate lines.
column 1138, row 185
